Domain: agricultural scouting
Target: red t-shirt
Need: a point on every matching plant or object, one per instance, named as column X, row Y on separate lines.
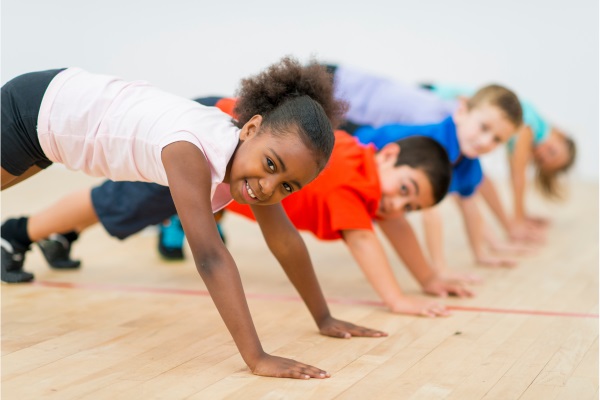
column 344, row 196
column 226, row 104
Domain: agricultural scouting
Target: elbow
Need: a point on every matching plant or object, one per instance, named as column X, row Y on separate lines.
column 209, row 262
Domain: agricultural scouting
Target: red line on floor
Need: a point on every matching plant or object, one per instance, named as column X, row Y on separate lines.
column 259, row 296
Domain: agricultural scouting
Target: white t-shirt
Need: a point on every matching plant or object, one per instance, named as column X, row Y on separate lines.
column 105, row 126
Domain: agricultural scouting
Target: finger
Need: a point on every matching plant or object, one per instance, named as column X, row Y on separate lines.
column 441, row 311
column 313, row 372
column 360, row 331
column 338, row 333
column 427, row 313
column 490, row 263
column 462, row 292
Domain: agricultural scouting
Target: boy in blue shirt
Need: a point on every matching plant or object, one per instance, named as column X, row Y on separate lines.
column 479, row 124
column 538, row 142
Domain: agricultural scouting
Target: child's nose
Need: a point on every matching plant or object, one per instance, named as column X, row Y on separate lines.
column 399, row 204
column 486, row 143
column 267, row 186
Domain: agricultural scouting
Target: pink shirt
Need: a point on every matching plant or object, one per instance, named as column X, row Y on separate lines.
column 105, row 126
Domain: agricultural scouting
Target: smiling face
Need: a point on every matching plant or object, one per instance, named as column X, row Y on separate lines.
column 552, row 154
column 403, row 188
column 481, row 129
column 267, row 167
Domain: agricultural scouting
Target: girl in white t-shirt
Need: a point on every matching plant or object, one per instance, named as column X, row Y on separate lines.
column 105, row 126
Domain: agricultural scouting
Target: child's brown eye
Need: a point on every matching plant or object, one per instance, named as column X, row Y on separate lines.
column 404, row 189
column 288, row 187
column 271, row 164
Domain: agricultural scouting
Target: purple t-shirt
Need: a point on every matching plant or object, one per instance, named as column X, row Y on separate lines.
column 377, row 101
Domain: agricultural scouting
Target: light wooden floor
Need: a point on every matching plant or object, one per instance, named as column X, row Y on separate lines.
column 134, row 327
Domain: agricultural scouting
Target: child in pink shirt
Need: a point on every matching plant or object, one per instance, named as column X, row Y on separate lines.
column 106, row 126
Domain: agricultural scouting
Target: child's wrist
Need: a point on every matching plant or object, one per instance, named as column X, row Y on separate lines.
column 253, row 359
column 323, row 320
column 430, row 278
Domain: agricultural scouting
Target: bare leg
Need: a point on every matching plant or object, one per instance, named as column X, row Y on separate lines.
column 74, row 212
column 9, row 180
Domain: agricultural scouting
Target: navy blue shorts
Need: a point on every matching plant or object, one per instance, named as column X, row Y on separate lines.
column 125, row 208
column 21, row 99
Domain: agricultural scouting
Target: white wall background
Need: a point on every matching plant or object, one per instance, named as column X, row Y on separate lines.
column 545, row 50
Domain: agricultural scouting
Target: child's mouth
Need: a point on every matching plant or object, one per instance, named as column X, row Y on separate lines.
column 250, row 191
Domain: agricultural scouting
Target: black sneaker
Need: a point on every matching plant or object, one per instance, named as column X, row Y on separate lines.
column 12, row 259
column 57, row 251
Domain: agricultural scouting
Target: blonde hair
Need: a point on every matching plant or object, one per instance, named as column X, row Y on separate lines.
column 547, row 181
column 500, row 97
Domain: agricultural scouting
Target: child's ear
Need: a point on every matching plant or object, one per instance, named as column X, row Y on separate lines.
column 251, row 127
column 388, row 153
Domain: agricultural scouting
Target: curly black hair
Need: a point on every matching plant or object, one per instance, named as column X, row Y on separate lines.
column 291, row 94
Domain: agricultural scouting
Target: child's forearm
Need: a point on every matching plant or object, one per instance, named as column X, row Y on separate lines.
column 518, row 185
column 370, row 256
column 296, row 263
column 405, row 243
column 434, row 238
column 403, row 239
column 473, row 224
column 518, row 168
column 490, row 195
column 223, row 282
column 289, row 249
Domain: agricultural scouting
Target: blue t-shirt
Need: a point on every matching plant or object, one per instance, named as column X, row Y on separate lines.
column 466, row 172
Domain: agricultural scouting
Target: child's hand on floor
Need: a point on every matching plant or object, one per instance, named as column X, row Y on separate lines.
column 514, row 248
column 537, row 221
column 460, row 277
column 420, row 307
column 342, row 329
column 526, row 232
column 493, row 261
column 280, row 367
column 443, row 287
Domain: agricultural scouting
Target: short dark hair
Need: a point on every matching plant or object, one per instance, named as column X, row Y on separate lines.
column 429, row 156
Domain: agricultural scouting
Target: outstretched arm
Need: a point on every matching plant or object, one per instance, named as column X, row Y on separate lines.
column 287, row 246
column 476, row 233
column 488, row 191
column 490, row 195
column 434, row 238
column 403, row 239
column 189, row 179
column 370, row 256
column 518, row 168
column 522, row 228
